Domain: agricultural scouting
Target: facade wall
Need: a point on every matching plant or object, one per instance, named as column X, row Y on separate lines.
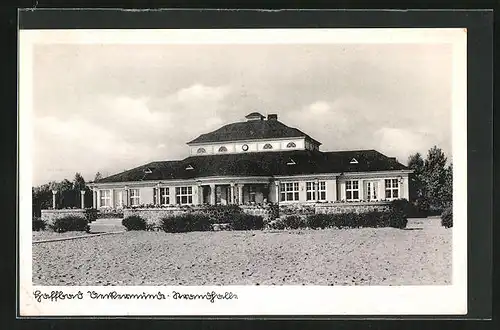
column 378, row 180
column 335, row 190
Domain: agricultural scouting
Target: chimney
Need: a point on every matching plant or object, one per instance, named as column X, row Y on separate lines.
column 272, row 116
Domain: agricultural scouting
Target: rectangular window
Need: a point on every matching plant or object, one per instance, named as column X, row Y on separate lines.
column 289, row 191
column 134, row 197
column 184, row 195
column 322, row 191
column 352, row 190
column 310, row 191
column 164, row 196
column 391, row 188
column 105, row 198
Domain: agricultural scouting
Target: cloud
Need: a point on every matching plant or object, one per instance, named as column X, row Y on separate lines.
column 398, row 142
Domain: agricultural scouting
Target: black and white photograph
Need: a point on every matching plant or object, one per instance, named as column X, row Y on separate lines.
column 312, row 162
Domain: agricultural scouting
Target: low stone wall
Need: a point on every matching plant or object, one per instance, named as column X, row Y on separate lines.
column 267, row 212
column 354, row 207
column 154, row 215
column 50, row 215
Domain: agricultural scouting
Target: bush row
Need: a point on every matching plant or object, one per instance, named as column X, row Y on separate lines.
column 447, row 217
column 38, row 224
column 195, row 222
column 70, row 223
column 396, row 217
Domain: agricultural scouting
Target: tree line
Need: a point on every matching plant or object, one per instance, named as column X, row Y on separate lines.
column 68, row 194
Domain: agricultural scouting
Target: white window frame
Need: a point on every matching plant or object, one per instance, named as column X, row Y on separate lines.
column 391, row 189
column 322, row 190
column 350, row 187
column 164, row 195
column 289, row 192
column 184, row 193
column 105, row 198
column 135, row 197
column 375, row 191
column 310, row 191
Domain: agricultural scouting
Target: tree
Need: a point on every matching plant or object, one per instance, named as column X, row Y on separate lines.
column 435, row 178
column 98, row 176
column 418, row 184
column 79, row 182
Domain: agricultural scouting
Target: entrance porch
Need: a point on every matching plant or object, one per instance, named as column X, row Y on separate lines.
column 234, row 193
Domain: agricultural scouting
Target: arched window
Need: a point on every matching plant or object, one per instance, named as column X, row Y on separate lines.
column 201, row 151
column 291, row 145
column 267, row 146
column 222, row 149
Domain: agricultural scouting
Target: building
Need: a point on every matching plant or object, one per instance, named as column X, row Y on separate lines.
column 259, row 160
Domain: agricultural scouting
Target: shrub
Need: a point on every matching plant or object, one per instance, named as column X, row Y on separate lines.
column 398, row 213
column 372, row 219
column 134, row 222
column 447, row 217
column 221, row 213
column 91, row 215
column 316, row 221
column 186, row 223
column 38, row 224
column 70, row 223
column 278, row 224
column 243, row 221
column 294, row 222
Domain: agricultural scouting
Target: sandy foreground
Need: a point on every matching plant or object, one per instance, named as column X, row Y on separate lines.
column 418, row 255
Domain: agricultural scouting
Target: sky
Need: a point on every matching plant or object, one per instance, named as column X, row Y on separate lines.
column 109, row 108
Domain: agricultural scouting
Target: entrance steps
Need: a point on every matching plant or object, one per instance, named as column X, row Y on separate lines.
column 106, row 225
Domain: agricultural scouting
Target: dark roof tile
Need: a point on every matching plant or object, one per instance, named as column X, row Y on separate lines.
column 251, row 130
column 277, row 163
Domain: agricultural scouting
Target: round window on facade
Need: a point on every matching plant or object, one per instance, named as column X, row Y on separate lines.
column 201, row 151
column 267, row 146
column 222, row 149
column 244, row 147
column 291, row 145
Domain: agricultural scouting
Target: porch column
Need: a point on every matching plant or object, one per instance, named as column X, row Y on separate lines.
column 240, row 194
column 94, row 198
column 112, row 198
column 125, row 196
column 157, row 200
column 231, row 198
column 82, row 198
column 212, row 194
column 200, row 194
column 54, row 192
column 277, row 188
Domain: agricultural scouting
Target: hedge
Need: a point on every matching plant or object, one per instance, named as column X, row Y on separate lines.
column 243, row 221
column 186, row 223
column 134, row 222
column 38, row 224
column 447, row 217
column 70, row 223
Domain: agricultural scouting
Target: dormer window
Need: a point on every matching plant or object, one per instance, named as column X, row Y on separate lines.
column 291, row 162
column 147, row 171
column 201, row 151
column 353, row 161
column 267, row 146
column 291, row 145
column 222, row 149
column 189, row 167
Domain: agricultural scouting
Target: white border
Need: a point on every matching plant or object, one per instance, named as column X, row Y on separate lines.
column 261, row 300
